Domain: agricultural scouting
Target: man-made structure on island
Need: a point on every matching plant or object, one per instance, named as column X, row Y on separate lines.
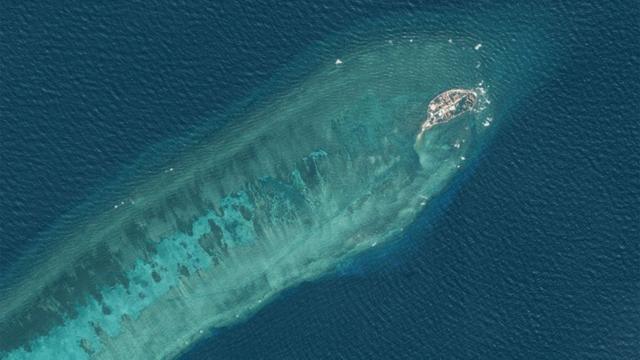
column 448, row 105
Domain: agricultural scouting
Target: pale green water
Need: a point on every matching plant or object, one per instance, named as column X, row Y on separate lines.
column 320, row 172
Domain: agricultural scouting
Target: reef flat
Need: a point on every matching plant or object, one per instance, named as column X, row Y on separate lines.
column 320, row 172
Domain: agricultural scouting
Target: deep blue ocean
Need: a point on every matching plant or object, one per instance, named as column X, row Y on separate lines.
column 533, row 254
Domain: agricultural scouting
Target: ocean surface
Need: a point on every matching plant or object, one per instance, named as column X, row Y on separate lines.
column 532, row 253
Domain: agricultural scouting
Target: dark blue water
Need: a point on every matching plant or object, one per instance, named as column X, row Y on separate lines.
column 536, row 254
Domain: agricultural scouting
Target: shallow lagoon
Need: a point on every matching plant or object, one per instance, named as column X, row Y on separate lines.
column 315, row 173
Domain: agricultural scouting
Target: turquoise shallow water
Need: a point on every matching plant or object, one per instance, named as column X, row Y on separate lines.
column 528, row 253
